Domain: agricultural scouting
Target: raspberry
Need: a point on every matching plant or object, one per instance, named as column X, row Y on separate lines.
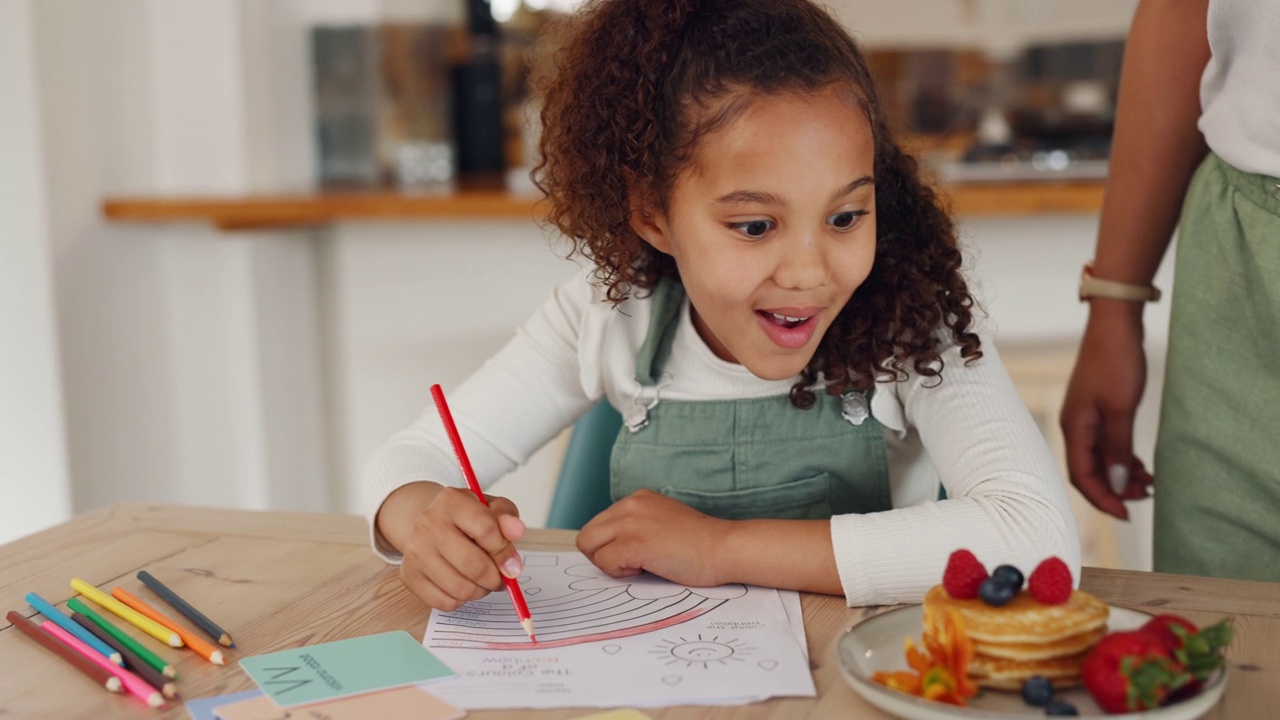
column 963, row 575
column 1050, row 582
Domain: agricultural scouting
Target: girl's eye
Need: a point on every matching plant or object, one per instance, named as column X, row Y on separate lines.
column 753, row 228
column 846, row 220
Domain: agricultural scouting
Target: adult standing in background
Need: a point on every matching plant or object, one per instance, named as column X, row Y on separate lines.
column 1197, row 132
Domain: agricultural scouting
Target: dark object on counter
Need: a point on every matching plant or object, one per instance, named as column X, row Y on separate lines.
column 478, row 130
column 477, row 116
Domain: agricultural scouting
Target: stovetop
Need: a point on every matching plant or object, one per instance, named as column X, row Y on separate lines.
column 1085, row 160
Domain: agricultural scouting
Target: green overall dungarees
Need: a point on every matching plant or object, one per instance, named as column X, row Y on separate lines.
column 1217, row 462
column 751, row 458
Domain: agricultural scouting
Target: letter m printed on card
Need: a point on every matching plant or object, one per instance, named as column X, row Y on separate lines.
column 280, row 682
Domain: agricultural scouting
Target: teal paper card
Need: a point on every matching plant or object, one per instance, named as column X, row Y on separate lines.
column 345, row 667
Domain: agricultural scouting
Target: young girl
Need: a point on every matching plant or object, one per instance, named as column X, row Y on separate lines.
column 776, row 308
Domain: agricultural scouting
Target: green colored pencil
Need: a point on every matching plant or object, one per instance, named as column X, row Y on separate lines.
column 138, row 648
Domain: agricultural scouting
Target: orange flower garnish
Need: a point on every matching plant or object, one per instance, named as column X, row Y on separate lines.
column 940, row 671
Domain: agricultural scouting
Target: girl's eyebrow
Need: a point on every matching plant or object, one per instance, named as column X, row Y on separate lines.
column 860, row 182
column 758, row 197
column 743, row 197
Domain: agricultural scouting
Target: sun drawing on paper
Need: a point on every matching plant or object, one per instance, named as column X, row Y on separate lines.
column 578, row 604
column 701, row 651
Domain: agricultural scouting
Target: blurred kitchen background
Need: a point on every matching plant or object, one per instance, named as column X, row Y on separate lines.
column 373, row 230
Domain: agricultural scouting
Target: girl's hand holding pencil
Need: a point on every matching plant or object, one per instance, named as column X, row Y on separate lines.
column 453, row 545
column 457, row 544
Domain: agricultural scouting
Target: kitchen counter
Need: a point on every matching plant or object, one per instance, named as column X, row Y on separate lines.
column 248, row 212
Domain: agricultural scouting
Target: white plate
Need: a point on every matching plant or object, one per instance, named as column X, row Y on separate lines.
column 876, row 644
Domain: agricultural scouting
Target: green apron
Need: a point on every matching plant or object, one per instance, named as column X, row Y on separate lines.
column 750, row 458
column 1217, row 461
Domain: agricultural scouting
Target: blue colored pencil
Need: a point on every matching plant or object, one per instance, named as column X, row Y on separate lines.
column 64, row 621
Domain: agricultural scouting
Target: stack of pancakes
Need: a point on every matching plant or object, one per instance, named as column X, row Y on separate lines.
column 1025, row 637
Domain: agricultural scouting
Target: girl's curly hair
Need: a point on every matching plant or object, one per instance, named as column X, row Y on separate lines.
column 632, row 85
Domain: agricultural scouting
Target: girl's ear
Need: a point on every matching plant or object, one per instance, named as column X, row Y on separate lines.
column 650, row 224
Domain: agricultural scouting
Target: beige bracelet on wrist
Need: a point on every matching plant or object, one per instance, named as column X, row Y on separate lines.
column 1092, row 287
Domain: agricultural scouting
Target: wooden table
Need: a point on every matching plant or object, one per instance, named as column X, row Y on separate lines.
column 276, row 580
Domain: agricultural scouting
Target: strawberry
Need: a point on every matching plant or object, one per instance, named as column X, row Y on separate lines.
column 1050, row 582
column 1131, row 670
column 1163, row 627
column 1201, row 652
column 963, row 575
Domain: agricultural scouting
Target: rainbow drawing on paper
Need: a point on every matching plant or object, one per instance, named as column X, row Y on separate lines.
column 574, row 605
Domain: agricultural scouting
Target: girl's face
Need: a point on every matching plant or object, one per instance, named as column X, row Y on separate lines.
column 773, row 227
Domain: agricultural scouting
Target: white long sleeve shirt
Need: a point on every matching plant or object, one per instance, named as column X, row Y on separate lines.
column 971, row 432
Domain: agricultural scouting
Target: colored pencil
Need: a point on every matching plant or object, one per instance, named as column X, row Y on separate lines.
column 160, row 664
column 513, row 586
column 134, row 684
column 77, row 660
column 209, row 652
column 65, row 622
column 128, row 614
column 200, row 619
column 132, row 662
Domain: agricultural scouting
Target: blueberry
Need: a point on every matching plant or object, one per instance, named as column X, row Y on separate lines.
column 1009, row 575
column 994, row 592
column 1061, row 708
column 1037, row 690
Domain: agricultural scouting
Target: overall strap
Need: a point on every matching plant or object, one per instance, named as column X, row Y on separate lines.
column 665, row 299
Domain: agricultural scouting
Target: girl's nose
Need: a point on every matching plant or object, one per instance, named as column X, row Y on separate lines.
column 802, row 265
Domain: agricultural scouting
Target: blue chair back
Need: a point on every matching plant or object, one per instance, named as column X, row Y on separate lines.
column 583, row 488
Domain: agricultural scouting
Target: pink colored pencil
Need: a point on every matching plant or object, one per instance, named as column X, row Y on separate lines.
column 77, row 659
column 134, row 684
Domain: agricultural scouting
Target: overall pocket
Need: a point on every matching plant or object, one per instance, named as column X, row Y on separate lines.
column 804, row 499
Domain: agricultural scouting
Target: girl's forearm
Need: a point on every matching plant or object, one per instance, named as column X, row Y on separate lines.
column 786, row 554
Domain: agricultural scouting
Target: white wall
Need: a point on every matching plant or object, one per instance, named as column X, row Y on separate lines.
column 997, row 25
column 191, row 358
column 33, row 473
column 413, row 304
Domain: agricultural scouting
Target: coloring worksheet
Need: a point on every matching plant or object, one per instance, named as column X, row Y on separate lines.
column 604, row 642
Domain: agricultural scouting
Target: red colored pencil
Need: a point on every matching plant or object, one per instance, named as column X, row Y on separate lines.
column 513, row 587
column 99, row 674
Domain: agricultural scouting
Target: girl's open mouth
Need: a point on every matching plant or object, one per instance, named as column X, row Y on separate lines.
column 783, row 320
column 787, row 331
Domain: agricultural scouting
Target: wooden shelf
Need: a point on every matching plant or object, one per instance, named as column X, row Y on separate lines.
column 267, row 211
column 304, row 209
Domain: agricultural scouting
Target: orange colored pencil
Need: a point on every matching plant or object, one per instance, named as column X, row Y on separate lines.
column 209, row 652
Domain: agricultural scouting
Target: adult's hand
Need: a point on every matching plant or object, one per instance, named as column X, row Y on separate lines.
column 1098, row 412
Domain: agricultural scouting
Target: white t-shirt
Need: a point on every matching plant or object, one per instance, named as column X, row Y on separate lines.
column 1240, row 87
column 1006, row 500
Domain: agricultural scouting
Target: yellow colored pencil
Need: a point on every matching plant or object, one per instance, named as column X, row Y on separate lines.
column 206, row 650
column 128, row 614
